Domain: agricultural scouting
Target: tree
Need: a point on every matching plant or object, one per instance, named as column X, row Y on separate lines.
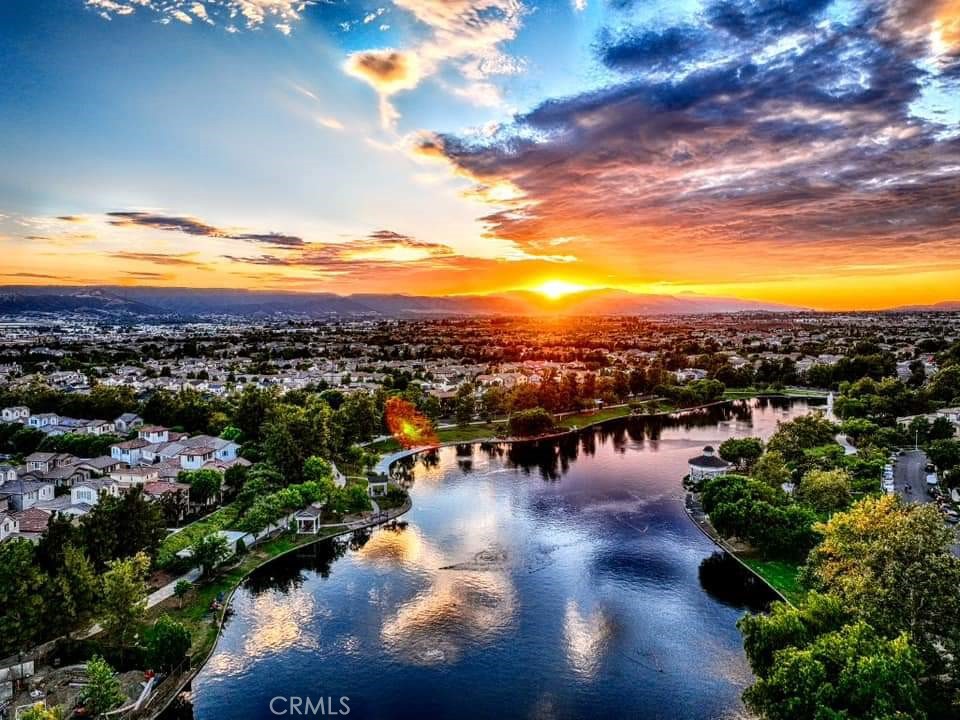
column 23, row 619
column 167, row 643
column 945, row 454
column 527, row 423
column 42, row 712
column 181, row 590
column 118, row 527
column 771, row 469
column 356, row 498
column 465, row 404
column 765, row 634
column 204, row 484
column 891, row 564
column 102, row 693
column 71, row 594
column 316, row 469
column 208, row 551
column 743, row 452
column 799, row 434
column 945, row 384
column 124, row 598
column 253, row 407
column 853, row 673
column 825, row 490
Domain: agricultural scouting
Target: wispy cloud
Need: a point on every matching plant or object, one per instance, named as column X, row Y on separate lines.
column 193, row 226
column 250, row 14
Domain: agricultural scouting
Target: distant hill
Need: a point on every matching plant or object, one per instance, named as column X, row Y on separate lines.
column 945, row 306
column 154, row 302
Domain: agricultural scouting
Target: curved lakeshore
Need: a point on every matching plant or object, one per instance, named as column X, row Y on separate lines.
column 574, row 581
column 169, row 695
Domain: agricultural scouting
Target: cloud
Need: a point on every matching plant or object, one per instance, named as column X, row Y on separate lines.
column 251, row 13
column 465, row 33
column 185, row 259
column 778, row 151
column 380, row 248
column 193, row 226
column 386, row 70
column 652, row 49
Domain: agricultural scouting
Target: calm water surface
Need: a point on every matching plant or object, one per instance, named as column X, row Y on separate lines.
column 544, row 580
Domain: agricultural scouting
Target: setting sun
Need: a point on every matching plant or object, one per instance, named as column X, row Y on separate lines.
column 554, row 289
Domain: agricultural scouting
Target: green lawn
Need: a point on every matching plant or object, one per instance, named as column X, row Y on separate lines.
column 781, row 575
column 222, row 519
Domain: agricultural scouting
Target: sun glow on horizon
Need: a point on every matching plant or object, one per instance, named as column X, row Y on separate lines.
column 554, row 289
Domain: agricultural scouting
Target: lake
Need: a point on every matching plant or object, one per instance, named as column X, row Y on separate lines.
column 556, row 579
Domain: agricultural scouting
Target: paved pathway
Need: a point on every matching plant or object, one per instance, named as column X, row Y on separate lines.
column 844, row 441
column 154, row 598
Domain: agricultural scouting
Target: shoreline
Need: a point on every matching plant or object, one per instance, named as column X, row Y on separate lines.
column 383, row 465
column 387, row 461
column 693, row 509
column 191, row 675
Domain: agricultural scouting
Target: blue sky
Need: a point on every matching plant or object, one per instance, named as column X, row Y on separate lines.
column 477, row 145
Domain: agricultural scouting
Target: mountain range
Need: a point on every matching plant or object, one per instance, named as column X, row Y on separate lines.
column 152, row 302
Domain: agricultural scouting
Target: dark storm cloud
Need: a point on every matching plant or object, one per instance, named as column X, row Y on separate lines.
column 749, row 19
column 652, row 49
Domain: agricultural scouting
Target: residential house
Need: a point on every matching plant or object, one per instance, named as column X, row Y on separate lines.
column 8, row 525
column 32, row 523
column 136, row 476
column 25, row 494
column 129, row 451
column 195, row 458
column 128, row 422
column 17, row 413
column 225, row 450
column 42, row 420
column 8, row 473
column 101, row 465
column 174, row 496
column 154, row 434
column 98, row 427
column 89, row 492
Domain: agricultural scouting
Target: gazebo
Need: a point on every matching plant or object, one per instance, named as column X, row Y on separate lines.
column 708, row 465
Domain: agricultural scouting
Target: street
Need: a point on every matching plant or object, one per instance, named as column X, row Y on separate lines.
column 910, row 472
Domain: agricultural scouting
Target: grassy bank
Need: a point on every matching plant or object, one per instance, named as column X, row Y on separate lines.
column 222, row 519
column 483, row 431
column 783, row 576
column 196, row 614
column 746, row 393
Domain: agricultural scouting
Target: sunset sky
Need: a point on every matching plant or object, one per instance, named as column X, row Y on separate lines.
column 797, row 151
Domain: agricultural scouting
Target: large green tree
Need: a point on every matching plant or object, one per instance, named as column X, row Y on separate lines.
column 124, row 597
column 850, row 674
column 23, row 618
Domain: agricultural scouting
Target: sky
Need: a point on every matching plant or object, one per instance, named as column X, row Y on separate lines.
column 796, row 151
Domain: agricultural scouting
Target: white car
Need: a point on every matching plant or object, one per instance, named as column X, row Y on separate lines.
column 932, row 479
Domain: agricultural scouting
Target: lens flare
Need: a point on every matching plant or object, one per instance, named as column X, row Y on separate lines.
column 408, row 425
